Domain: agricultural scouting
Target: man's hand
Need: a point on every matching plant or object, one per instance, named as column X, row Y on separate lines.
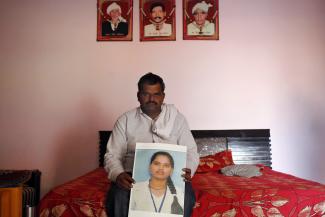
column 187, row 174
column 124, row 180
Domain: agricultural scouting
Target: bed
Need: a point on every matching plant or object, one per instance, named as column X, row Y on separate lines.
column 270, row 194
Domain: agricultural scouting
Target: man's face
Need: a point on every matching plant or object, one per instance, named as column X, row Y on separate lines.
column 200, row 17
column 114, row 14
column 157, row 14
column 151, row 97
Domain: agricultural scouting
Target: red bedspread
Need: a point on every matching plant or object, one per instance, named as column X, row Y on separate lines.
column 272, row 194
column 84, row 196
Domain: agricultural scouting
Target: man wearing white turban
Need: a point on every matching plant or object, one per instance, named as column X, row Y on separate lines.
column 200, row 26
column 116, row 25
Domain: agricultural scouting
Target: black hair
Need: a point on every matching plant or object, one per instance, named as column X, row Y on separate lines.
column 176, row 208
column 151, row 79
column 157, row 4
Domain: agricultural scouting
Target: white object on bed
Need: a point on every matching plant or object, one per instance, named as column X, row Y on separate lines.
column 243, row 170
column 210, row 145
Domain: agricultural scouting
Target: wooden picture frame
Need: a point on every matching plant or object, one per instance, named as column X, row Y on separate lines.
column 114, row 20
column 157, row 20
column 201, row 19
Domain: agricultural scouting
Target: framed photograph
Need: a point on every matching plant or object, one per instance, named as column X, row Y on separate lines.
column 157, row 20
column 114, row 20
column 159, row 187
column 200, row 19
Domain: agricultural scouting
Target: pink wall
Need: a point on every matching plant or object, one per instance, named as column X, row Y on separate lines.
column 59, row 86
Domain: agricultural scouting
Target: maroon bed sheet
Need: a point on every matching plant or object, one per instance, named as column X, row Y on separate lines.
column 272, row 194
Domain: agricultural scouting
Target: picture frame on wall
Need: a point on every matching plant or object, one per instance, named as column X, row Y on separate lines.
column 114, row 20
column 201, row 19
column 157, row 20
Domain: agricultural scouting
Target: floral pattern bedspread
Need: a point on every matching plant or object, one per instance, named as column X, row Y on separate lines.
column 272, row 194
column 84, row 196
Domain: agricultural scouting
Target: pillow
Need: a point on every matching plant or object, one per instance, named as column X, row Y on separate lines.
column 215, row 162
column 210, row 145
column 242, row 170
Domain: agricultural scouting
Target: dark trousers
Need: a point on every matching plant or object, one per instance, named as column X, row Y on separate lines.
column 117, row 201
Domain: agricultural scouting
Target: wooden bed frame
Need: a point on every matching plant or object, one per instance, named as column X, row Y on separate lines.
column 273, row 193
column 248, row 146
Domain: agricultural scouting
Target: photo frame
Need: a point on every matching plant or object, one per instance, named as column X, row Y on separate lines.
column 155, row 164
column 201, row 19
column 157, row 20
column 114, row 20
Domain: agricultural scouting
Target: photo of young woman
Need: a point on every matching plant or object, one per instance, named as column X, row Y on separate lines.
column 158, row 193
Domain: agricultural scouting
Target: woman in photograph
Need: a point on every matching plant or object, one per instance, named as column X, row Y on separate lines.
column 158, row 194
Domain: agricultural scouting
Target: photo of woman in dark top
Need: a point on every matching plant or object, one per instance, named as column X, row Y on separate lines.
column 115, row 25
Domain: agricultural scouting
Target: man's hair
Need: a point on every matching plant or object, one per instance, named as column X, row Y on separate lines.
column 151, row 79
column 157, row 4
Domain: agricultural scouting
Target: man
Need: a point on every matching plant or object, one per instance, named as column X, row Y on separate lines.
column 116, row 25
column 200, row 26
column 152, row 121
column 158, row 27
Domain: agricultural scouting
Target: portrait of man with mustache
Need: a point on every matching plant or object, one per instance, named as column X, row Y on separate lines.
column 158, row 26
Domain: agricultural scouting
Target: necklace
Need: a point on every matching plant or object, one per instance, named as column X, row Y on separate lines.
column 153, row 201
column 156, row 188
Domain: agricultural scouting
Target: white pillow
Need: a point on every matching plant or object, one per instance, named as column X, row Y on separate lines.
column 243, row 170
column 210, row 145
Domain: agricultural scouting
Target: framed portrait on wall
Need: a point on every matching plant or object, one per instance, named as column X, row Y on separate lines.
column 114, row 20
column 200, row 19
column 157, row 20
column 159, row 186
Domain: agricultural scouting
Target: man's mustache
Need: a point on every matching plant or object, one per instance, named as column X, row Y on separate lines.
column 156, row 18
column 151, row 102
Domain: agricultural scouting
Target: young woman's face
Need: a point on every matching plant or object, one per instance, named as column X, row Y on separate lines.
column 161, row 167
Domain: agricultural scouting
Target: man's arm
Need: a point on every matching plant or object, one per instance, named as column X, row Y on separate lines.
column 116, row 150
column 186, row 139
column 124, row 180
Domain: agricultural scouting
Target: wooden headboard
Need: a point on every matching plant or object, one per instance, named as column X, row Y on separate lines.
column 248, row 146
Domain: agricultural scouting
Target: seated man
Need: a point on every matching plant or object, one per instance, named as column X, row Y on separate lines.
column 153, row 121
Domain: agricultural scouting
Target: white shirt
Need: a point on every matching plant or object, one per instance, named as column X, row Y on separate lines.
column 141, row 198
column 206, row 29
column 135, row 126
column 150, row 30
